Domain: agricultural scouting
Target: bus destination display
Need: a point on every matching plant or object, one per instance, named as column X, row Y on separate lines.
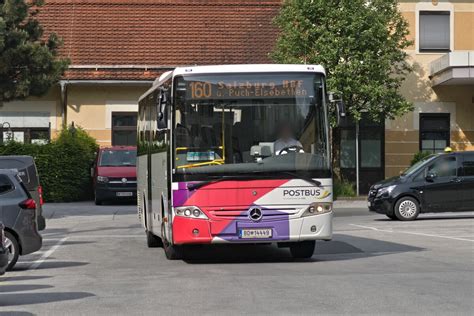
column 198, row 90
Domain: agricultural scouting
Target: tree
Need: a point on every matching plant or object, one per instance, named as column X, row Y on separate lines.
column 28, row 62
column 360, row 43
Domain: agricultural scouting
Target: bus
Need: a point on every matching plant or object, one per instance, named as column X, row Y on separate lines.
column 235, row 154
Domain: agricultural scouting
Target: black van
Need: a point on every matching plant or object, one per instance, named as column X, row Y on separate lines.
column 438, row 183
column 26, row 167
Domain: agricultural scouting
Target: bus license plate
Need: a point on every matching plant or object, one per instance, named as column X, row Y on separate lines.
column 124, row 193
column 255, row 233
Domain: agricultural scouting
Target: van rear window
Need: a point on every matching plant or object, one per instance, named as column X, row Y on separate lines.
column 5, row 184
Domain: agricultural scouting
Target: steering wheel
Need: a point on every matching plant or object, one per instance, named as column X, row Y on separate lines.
column 291, row 149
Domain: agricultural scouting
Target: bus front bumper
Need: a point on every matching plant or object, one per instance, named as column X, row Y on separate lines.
column 203, row 231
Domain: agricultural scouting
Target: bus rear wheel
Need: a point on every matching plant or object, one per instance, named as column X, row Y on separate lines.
column 153, row 241
column 303, row 249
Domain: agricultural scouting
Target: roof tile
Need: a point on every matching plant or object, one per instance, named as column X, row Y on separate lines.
column 160, row 32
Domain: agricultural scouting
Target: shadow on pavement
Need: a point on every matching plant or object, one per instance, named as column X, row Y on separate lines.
column 23, row 278
column 18, row 299
column 15, row 313
column 23, row 287
column 60, row 264
column 51, row 265
column 342, row 247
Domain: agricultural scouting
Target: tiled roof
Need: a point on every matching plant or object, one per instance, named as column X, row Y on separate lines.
column 160, row 33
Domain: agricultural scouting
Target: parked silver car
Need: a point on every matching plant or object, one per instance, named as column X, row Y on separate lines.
column 26, row 167
column 18, row 214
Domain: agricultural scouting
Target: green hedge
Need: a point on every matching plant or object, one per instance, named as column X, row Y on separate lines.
column 63, row 165
column 344, row 188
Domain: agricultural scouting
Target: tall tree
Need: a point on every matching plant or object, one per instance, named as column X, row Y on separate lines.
column 360, row 42
column 29, row 63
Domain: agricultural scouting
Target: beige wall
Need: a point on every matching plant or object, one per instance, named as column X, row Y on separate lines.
column 90, row 107
column 48, row 103
column 402, row 134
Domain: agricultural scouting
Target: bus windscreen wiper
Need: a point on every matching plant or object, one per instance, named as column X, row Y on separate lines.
column 195, row 186
column 307, row 179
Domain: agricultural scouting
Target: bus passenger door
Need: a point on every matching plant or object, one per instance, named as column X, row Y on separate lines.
column 159, row 164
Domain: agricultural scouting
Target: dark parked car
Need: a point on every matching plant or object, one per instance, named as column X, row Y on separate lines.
column 29, row 175
column 114, row 174
column 3, row 251
column 18, row 214
column 438, row 183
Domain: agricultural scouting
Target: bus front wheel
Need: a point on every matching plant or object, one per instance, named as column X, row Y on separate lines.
column 172, row 252
column 303, row 249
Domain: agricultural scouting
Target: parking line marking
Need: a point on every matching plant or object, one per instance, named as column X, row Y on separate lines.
column 48, row 253
column 411, row 233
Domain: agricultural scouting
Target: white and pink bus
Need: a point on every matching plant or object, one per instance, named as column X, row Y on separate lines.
column 235, row 154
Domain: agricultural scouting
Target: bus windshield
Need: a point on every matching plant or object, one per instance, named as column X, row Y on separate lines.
column 226, row 124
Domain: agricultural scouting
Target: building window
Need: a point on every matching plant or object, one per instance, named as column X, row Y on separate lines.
column 434, row 132
column 124, row 129
column 25, row 135
column 434, row 31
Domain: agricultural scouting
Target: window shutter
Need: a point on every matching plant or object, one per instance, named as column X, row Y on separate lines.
column 434, row 30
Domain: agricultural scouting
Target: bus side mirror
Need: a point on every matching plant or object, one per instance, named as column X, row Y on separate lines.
column 336, row 100
column 162, row 117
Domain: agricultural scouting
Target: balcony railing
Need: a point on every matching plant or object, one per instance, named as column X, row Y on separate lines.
column 453, row 68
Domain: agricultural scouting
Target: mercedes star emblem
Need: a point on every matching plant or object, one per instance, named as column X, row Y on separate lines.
column 255, row 214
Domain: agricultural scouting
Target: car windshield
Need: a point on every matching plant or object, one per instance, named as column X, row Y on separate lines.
column 118, row 158
column 235, row 124
column 417, row 166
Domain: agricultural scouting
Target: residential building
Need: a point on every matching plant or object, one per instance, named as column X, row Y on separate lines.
column 118, row 47
column 441, row 88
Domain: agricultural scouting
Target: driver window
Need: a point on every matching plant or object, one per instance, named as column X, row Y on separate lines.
column 444, row 167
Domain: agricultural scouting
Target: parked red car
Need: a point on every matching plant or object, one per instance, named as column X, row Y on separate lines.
column 114, row 174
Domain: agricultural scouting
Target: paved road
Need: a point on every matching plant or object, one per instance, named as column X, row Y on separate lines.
column 94, row 261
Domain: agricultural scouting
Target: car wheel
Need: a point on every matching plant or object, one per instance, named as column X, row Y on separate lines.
column 11, row 243
column 407, row 209
column 303, row 249
column 153, row 241
column 391, row 216
column 97, row 199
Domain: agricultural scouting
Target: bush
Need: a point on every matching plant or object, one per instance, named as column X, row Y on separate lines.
column 344, row 188
column 63, row 165
column 419, row 156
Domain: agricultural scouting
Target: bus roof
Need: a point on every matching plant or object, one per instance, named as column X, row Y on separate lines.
column 244, row 68
column 250, row 68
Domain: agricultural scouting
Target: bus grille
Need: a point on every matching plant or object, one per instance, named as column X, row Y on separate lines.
column 243, row 213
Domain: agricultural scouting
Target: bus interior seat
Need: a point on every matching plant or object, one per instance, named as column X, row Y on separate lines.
column 183, row 137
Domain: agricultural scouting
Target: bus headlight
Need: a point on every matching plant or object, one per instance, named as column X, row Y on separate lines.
column 317, row 209
column 189, row 212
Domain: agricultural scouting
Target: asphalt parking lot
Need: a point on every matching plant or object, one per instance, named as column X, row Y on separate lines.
column 95, row 261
